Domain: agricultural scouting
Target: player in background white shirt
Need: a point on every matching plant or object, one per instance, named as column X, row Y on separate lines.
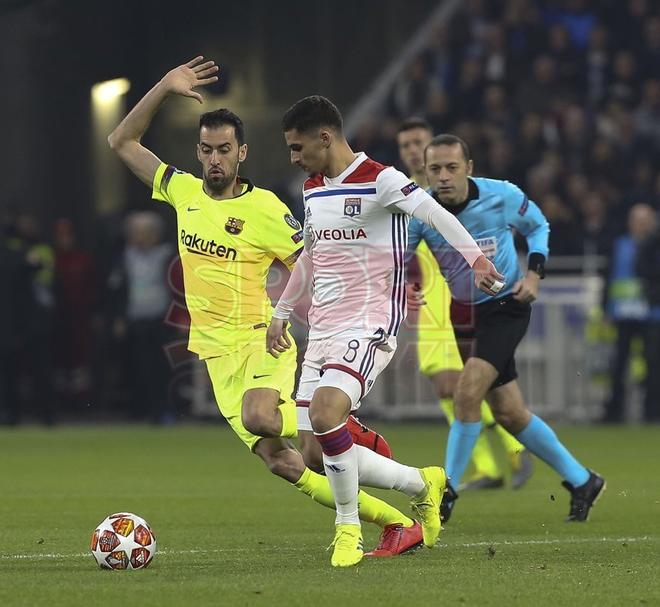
column 356, row 218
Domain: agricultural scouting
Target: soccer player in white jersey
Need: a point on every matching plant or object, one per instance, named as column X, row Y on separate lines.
column 356, row 217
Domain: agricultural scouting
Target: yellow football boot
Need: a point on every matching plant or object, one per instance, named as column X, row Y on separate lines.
column 427, row 504
column 348, row 546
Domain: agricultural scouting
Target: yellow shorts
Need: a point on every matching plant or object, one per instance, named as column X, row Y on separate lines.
column 252, row 367
column 436, row 343
column 437, row 351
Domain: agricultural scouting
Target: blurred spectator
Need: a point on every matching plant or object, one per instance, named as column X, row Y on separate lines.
column 525, row 34
column 629, row 17
column 623, row 86
column 576, row 137
column 496, row 60
column 411, row 92
column 75, row 300
column 501, row 161
column 575, row 16
column 497, row 115
column 438, row 111
column 14, row 306
column 36, row 351
column 439, row 58
column 538, row 93
column 596, row 231
column 140, row 298
column 469, row 90
column 647, row 115
column 597, row 66
column 531, row 140
column 650, row 52
column 564, row 235
column 566, row 56
column 628, row 308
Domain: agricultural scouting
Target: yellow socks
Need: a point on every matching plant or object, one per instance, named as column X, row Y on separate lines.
column 289, row 420
column 510, row 444
column 487, row 418
column 371, row 509
column 447, row 405
column 482, row 455
column 483, row 459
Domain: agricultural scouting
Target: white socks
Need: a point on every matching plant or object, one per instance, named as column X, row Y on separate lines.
column 383, row 473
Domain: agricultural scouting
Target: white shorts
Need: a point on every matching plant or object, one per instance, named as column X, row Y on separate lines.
column 350, row 361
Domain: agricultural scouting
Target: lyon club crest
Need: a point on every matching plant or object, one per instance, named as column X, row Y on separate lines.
column 352, row 206
column 234, row 226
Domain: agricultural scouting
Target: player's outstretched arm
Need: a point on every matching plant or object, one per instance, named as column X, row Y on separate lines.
column 125, row 139
column 486, row 276
column 395, row 189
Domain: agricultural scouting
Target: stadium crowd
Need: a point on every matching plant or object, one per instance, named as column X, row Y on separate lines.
column 87, row 331
column 561, row 97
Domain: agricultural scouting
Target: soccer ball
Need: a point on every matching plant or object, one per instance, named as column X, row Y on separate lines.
column 123, row 541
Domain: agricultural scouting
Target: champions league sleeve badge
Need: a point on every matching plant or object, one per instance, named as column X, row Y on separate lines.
column 292, row 222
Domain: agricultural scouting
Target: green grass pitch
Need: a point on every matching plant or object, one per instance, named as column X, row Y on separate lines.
column 231, row 534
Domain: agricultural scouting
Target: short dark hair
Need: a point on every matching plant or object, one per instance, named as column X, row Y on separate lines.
column 222, row 117
column 312, row 113
column 415, row 122
column 448, row 139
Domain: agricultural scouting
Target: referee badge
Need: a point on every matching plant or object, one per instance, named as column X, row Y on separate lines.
column 234, row 226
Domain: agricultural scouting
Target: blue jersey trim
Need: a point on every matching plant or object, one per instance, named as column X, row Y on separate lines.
column 340, row 192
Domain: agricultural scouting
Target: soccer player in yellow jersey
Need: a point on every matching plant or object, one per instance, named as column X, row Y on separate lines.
column 437, row 352
column 229, row 233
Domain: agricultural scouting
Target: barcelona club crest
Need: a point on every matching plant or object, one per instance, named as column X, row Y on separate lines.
column 352, row 206
column 234, row 226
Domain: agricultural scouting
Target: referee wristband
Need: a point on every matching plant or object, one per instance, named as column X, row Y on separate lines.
column 536, row 263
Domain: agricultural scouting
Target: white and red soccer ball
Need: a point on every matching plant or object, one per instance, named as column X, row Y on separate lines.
column 123, row 541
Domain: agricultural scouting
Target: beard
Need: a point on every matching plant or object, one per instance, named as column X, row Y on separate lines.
column 217, row 184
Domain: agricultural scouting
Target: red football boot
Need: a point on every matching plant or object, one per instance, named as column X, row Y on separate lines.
column 397, row 539
column 367, row 438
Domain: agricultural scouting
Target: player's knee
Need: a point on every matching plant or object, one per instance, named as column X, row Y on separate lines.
column 259, row 419
column 328, row 409
column 320, row 419
column 512, row 420
column 468, row 397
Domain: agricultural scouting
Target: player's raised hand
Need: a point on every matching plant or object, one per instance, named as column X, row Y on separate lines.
column 486, row 276
column 277, row 338
column 414, row 296
column 182, row 80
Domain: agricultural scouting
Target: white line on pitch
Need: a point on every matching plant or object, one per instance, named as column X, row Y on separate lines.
column 593, row 540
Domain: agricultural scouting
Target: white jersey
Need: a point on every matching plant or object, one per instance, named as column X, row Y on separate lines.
column 357, row 224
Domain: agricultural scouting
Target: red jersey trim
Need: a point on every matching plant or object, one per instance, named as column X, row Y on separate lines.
column 348, row 370
column 366, row 172
column 315, row 181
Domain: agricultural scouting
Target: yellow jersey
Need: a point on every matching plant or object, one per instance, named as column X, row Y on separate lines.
column 436, row 344
column 226, row 249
